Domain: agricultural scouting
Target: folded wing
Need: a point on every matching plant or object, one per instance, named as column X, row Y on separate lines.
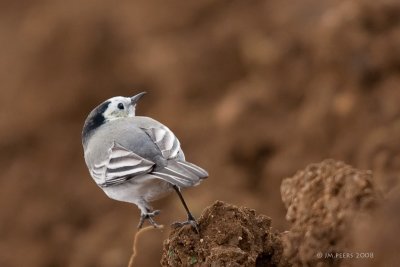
column 165, row 140
column 178, row 171
column 181, row 173
column 121, row 165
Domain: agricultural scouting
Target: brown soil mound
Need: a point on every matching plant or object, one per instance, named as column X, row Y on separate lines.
column 323, row 201
column 229, row 236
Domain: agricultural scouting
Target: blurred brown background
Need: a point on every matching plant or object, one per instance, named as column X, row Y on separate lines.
column 255, row 90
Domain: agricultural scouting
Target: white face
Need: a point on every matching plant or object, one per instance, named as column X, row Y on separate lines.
column 119, row 107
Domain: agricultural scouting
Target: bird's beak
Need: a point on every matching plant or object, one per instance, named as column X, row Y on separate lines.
column 135, row 98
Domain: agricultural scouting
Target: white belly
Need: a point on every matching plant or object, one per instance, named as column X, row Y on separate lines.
column 146, row 187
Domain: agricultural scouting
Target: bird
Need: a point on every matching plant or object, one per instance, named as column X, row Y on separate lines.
column 136, row 159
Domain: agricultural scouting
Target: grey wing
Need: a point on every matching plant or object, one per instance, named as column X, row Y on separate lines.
column 122, row 164
column 177, row 171
column 165, row 140
column 181, row 173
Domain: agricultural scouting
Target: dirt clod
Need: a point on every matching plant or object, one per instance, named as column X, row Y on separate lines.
column 229, row 236
column 322, row 201
column 326, row 203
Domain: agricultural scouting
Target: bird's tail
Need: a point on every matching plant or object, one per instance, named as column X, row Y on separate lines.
column 181, row 173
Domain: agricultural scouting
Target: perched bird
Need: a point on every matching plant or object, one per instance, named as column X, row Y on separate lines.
column 136, row 159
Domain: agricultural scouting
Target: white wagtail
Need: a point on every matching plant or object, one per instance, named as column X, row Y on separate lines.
column 136, row 159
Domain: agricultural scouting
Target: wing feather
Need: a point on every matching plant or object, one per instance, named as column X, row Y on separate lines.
column 165, row 140
column 200, row 172
column 182, row 175
column 126, row 161
column 122, row 165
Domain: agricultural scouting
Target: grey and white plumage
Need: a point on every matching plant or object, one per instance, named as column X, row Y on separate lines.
column 135, row 159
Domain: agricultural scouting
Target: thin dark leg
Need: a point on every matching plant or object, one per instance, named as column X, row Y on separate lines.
column 191, row 220
column 190, row 216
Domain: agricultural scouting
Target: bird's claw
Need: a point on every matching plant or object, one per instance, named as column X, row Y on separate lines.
column 190, row 221
column 149, row 216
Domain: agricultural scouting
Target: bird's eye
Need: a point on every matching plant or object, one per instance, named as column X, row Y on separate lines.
column 121, row 106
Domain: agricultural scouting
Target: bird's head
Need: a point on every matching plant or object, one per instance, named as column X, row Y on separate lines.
column 112, row 109
column 121, row 107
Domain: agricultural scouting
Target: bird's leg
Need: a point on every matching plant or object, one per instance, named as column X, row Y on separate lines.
column 147, row 214
column 191, row 220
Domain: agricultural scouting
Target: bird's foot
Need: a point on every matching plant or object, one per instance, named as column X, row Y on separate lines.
column 191, row 220
column 149, row 216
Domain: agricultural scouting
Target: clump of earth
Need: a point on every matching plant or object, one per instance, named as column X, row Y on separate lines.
column 228, row 235
column 325, row 204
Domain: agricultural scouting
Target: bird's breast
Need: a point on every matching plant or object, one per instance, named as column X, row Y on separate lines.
column 145, row 187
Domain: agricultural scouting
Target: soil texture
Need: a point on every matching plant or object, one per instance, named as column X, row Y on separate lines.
column 326, row 203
